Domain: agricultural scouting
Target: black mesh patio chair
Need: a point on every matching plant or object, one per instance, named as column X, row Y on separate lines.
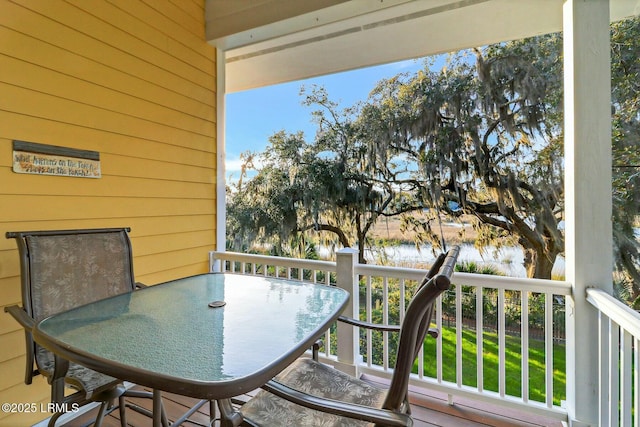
column 309, row 393
column 61, row 270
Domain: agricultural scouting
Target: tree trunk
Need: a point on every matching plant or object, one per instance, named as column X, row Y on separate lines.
column 361, row 246
column 537, row 264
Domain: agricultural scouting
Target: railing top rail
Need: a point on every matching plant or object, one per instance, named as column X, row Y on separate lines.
column 275, row 260
column 623, row 315
column 386, row 271
column 555, row 287
column 472, row 279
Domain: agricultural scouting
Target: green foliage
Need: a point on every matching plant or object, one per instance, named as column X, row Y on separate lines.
column 490, row 358
column 625, row 74
column 483, row 133
column 304, row 190
column 482, row 136
column 473, row 267
column 513, row 316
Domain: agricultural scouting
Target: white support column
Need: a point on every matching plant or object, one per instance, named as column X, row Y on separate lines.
column 221, row 208
column 589, row 244
column 347, row 336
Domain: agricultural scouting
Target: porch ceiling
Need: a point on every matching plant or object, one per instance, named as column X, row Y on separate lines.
column 289, row 42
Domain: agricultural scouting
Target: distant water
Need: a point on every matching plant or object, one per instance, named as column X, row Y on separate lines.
column 508, row 259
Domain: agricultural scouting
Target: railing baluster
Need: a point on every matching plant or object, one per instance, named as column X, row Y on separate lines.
column 619, row 362
column 625, row 378
column 604, row 345
column 479, row 338
column 402, row 302
column 439, row 339
column 327, row 343
column 458, row 335
column 614, row 378
column 389, row 280
column 369, row 332
column 385, row 320
column 502, row 372
column 524, row 333
column 636, row 381
column 548, row 353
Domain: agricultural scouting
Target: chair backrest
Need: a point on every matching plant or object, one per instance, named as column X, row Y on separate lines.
column 424, row 325
column 63, row 269
column 416, row 323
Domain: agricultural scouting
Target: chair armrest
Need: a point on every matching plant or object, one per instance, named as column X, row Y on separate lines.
column 28, row 324
column 369, row 325
column 21, row 316
column 433, row 332
column 381, row 417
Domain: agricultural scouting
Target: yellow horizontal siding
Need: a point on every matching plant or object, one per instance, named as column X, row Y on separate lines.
column 45, row 29
column 52, row 132
column 195, row 260
column 95, row 207
column 158, row 170
column 24, row 419
column 145, row 31
column 28, row 50
column 191, row 7
column 38, row 79
column 29, row 102
column 13, row 345
column 175, row 13
column 178, row 15
column 37, row 393
column 116, row 186
column 191, row 38
column 135, row 81
column 9, row 293
column 162, row 43
column 86, row 18
column 174, row 273
column 179, row 180
column 12, row 372
column 168, row 243
column 140, row 227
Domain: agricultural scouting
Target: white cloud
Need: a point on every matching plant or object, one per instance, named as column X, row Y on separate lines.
column 233, row 164
column 233, row 167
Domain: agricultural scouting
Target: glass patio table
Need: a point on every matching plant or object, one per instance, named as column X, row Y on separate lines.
column 211, row 336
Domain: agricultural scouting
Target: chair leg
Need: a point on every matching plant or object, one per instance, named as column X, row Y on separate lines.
column 212, row 412
column 159, row 416
column 229, row 417
column 156, row 399
column 122, row 409
column 101, row 413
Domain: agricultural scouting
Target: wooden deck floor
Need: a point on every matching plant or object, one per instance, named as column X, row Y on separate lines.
column 429, row 409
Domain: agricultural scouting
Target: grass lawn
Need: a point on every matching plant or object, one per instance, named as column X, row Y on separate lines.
column 490, row 364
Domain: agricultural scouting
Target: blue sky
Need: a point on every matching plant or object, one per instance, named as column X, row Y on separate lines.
column 254, row 115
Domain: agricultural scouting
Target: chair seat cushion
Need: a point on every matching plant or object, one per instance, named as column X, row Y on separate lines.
column 314, row 378
column 79, row 377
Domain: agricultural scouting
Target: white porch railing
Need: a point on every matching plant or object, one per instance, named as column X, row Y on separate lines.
column 619, row 358
column 518, row 317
